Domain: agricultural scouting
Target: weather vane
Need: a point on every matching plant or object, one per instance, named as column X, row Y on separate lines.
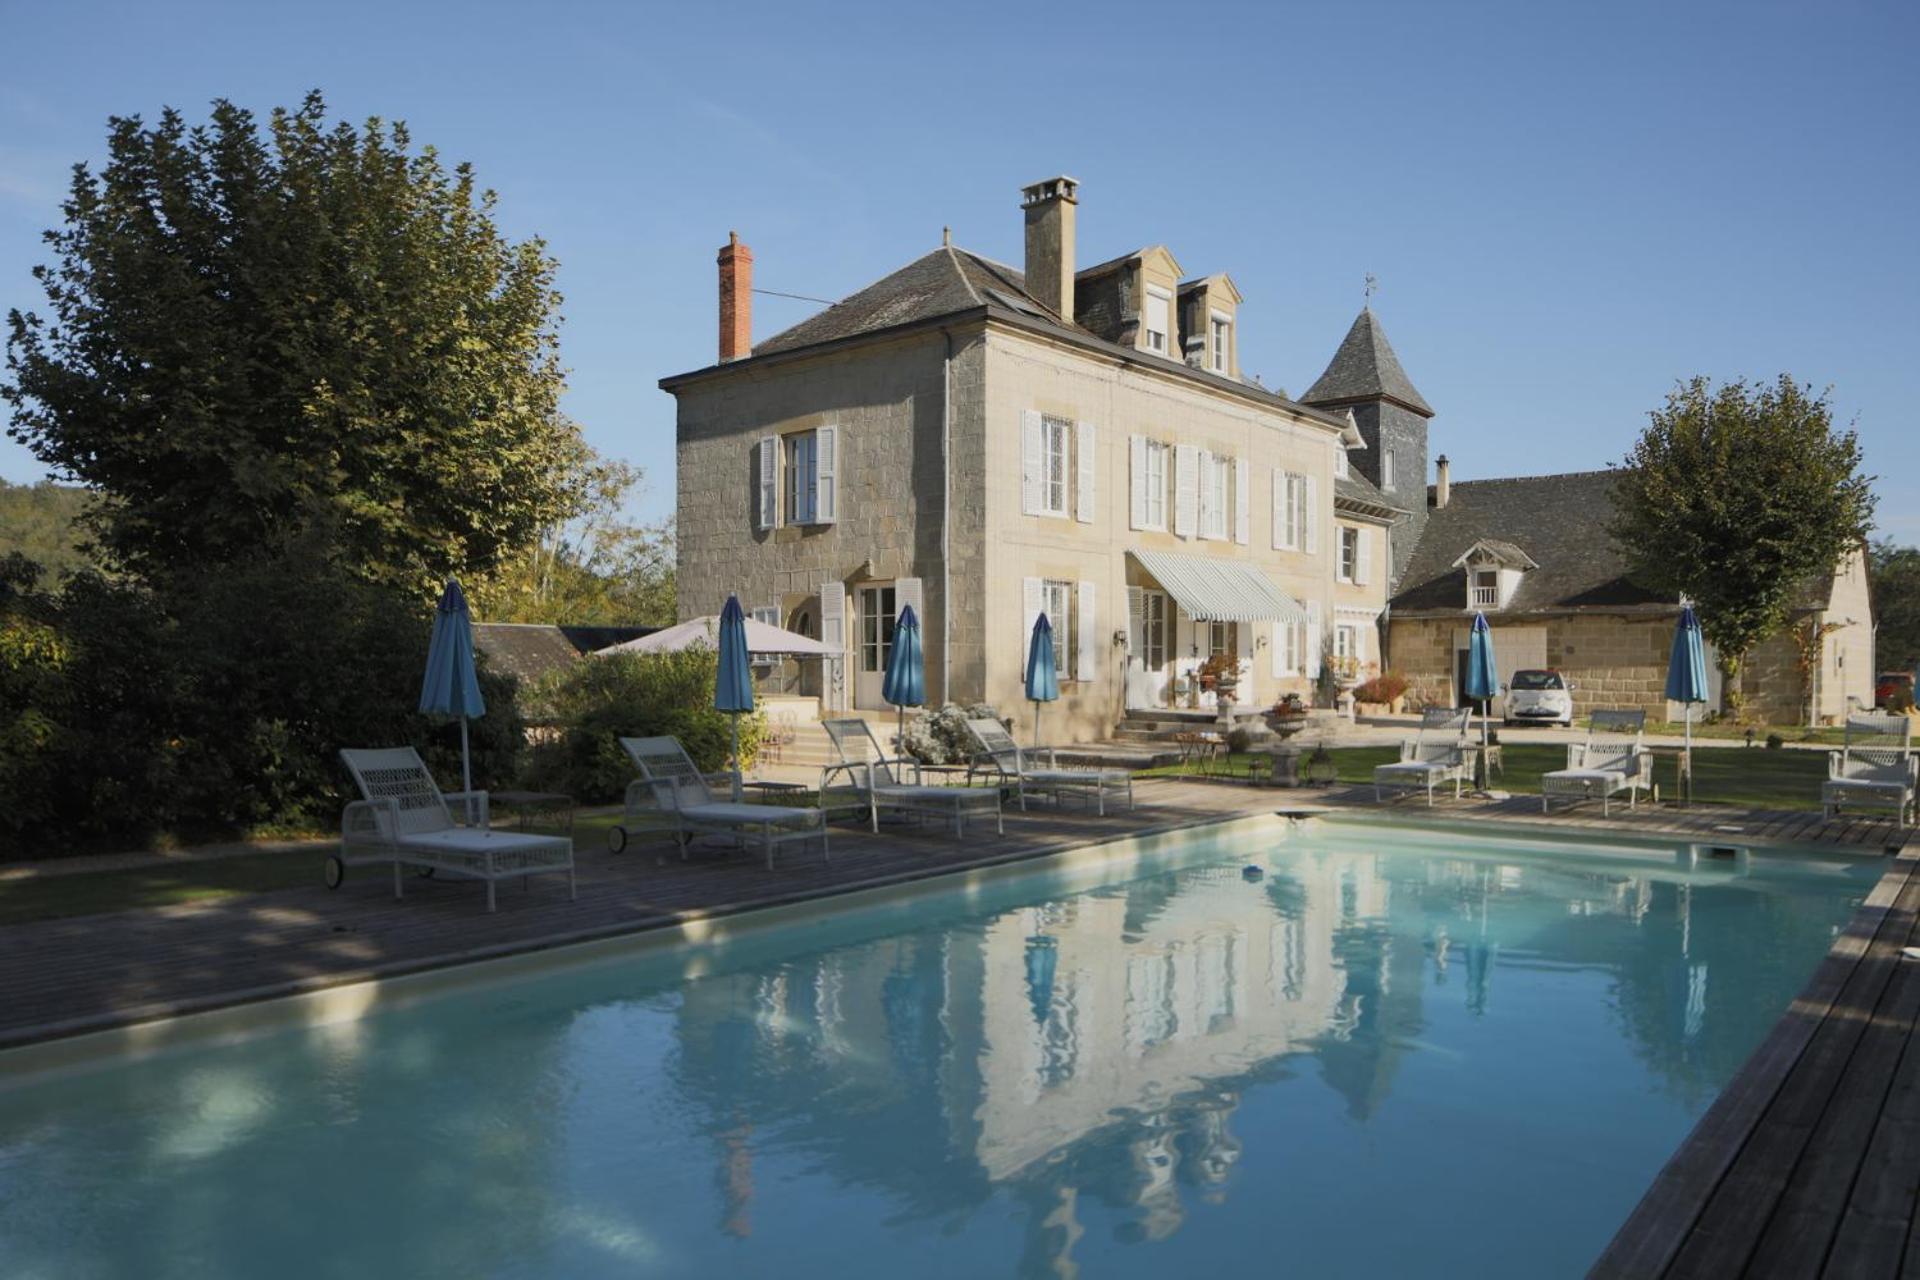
column 1373, row 283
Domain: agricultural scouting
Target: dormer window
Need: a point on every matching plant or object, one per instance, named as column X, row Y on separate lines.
column 1494, row 571
column 1154, row 316
column 1222, row 331
column 1341, row 466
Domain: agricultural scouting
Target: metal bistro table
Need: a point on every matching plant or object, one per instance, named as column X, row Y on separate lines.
column 1201, row 748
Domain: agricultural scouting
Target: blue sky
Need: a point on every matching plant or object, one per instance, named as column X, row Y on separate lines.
column 1568, row 208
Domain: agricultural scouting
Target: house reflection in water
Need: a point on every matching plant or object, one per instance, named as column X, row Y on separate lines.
column 1095, row 1049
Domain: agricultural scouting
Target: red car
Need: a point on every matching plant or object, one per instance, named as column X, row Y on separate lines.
column 1888, row 683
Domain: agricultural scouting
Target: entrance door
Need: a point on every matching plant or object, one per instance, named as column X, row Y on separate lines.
column 873, row 644
column 1147, row 651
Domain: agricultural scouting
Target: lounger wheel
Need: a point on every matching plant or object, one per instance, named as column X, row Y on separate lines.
column 616, row 839
column 335, row 871
column 423, row 873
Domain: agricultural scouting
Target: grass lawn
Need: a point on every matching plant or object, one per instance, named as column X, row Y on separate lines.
column 1754, row 777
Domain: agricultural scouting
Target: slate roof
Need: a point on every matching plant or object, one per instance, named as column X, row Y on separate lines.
column 1355, row 492
column 1559, row 521
column 532, row 650
column 941, row 283
column 1364, row 367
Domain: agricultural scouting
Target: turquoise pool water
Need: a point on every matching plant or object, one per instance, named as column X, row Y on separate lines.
column 1394, row 1053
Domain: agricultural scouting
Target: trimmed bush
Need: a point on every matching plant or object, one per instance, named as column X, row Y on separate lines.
column 633, row 695
column 1383, row 688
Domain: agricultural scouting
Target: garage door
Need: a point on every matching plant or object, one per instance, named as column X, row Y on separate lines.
column 1514, row 649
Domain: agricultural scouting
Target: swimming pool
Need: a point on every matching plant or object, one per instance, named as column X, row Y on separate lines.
column 1392, row 1051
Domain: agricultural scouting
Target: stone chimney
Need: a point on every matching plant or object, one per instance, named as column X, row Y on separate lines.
column 1442, row 483
column 1050, row 208
column 736, row 299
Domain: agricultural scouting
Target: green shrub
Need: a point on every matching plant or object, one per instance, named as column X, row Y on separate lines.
column 1775, row 742
column 633, row 695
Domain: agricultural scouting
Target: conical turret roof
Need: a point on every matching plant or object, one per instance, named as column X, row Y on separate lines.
column 1365, row 368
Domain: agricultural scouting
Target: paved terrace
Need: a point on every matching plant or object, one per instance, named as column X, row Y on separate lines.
column 1808, row 1164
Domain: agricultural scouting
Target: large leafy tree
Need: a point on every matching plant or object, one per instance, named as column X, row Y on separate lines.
column 252, row 336
column 1737, row 496
column 1896, row 606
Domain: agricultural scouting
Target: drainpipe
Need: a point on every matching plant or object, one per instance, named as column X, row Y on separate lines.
column 946, row 520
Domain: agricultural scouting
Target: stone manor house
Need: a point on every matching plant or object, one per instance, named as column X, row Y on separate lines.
column 988, row 443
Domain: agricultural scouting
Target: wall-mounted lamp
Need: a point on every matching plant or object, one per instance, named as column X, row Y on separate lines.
column 1120, row 638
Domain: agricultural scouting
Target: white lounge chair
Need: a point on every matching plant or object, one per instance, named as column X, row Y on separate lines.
column 403, row 818
column 1611, row 760
column 873, row 781
column 684, row 799
column 1436, row 755
column 1008, row 763
column 1875, row 769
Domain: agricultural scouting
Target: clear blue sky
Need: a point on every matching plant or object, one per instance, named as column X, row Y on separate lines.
column 1568, row 207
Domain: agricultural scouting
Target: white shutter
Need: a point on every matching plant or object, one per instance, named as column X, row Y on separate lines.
column 826, row 507
column 1363, row 555
column 769, row 469
column 1033, row 465
column 1085, row 633
column 1278, row 646
column 1137, row 622
column 1313, row 639
column 1313, row 515
column 1279, row 509
column 1033, row 601
column 1204, row 468
column 1242, row 501
column 1186, row 489
column 909, row 591
column 1083, row 448
column 833, row 634
column 1137, row 482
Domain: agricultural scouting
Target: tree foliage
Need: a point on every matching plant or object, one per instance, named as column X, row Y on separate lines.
column 42, row 522
column 253, row 334
column 1736, row 497
column 1896, row 606
column 597, row 569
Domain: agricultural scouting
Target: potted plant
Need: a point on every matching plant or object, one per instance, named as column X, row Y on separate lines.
column 1287, row 716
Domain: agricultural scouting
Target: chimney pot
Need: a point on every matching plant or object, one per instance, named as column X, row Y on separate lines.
column 1049, row 208
column 1443, row 483
column 736, row 299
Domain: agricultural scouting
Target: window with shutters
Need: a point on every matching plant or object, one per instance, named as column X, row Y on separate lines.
column 1214, row 503
column 1292, row 639
column 1054, row 433
column 1349, row 562
column 1154, row 317
column 1056, row 598
column 1289, row 511
column 1154, row 478
column 803, row 477
column 877, row 618
column 1346, row 642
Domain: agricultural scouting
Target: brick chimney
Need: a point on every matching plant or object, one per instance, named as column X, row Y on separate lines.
column 736, row 299
column 1442, row 482
column 1050, row 209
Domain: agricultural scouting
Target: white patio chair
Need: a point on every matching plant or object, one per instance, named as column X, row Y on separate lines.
column 876, row 781
column 682, row 798
column 1875, row 769
column 1437, row 754
column 1009, row 764
column 403, row 818
column 1610, row 761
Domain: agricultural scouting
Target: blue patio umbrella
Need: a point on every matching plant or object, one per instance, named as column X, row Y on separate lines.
column 1687, row 675
column 905, row 683
column 733, row 683
column 1483, row 679
column 1043, row 681
column 1043, row 960
column 450, row 687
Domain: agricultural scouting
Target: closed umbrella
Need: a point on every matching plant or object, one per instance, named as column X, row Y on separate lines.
column 1483, row 680
column 1043, row 682
column 451, row 688
column 1687, row 678
column 733, row 683
column 905, row 684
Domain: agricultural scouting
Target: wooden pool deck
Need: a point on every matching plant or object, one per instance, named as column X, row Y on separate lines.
column 1808, row 1164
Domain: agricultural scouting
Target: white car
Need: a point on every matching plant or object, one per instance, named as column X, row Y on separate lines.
column 1539, row 697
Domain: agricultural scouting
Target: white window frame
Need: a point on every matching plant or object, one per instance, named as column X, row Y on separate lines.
column 1214, row 469
column 1055, row 457
column 1220, row 334
column 1153, row 469
column 1057, row 600
column 1387, row 469
column 1346, row 557
column 1342, row 465
column 1487, row 596
column 1162, row 301
column 800, row 457
column 1346, row 640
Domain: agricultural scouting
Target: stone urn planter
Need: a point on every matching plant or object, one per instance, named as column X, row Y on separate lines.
column 1284, row 719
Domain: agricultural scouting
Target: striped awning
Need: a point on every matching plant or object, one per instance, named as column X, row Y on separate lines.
column 1212, row 590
